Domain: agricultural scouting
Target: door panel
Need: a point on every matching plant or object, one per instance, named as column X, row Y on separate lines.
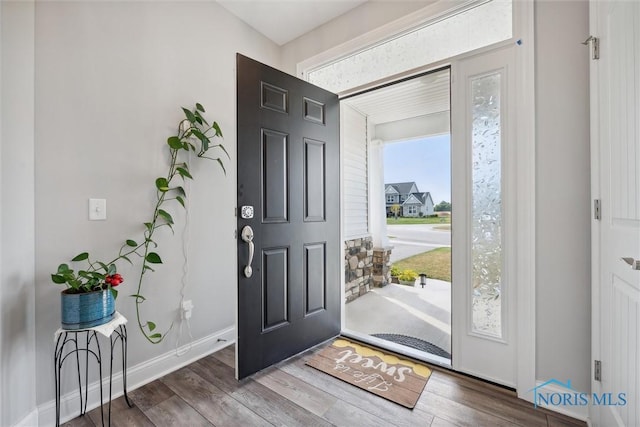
column 483, row 178
column 288, row 170
column 616, row 150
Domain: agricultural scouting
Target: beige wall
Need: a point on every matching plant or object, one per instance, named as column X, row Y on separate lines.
column 110, row 80
column 563, row 210
column 17, row 307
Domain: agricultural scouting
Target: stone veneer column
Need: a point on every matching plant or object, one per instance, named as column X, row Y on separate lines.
column 358, row 267
column 382, row 266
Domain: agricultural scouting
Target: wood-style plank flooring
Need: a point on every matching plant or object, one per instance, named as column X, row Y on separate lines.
column 206, row 393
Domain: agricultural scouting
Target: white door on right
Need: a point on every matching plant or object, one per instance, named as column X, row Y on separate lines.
column 483, row 147
column 616, row 182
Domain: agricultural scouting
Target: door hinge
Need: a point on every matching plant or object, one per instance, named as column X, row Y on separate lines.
column 597, row 210
column 595, row 46
column 597, row 370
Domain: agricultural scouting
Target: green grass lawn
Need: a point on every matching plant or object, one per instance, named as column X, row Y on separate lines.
column 435, row 263
column 407, row 221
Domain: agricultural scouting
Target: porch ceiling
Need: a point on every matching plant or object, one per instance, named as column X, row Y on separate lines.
column 421, row 96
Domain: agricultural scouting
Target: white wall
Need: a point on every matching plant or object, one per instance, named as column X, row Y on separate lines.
column 17, row 313
column 563, row 212
column 110, row 80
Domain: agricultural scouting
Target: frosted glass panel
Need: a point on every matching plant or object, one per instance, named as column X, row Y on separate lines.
column 481, row 26
column 486, row 207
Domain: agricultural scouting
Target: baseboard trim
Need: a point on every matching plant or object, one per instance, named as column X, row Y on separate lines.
column 137, row 376
column 578, row 412
column 30, row 420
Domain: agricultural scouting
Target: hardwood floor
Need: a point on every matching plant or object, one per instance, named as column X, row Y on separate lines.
column 206, row 393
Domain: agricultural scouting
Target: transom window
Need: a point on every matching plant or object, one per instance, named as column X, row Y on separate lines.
column 433, row 41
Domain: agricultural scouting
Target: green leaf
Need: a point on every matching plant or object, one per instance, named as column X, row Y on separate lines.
column 217, row 129
column 198, row 119
column 162, row 184
column 199, row 107
column 184, row 173
column 156, row 335
column 225, row 150
column 181, row 191
column 146, row 267
column 193, row 147
column 103, row 266
column 124, row 257
column 189, row 115
column 112, row 270
column 132, row 243
column 56, row 278
column 174, row 142
column 149, row 226
column 81, row 257
column 138, row 297
column 114, row 293
column 203, row 139
column 153, row 258
column 181, row 201
column 151, row 326
column 222, row 166
column 63, row 268
column 201, row 118
column 165, row 215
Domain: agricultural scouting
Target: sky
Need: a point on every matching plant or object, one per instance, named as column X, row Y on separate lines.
column 426, row 161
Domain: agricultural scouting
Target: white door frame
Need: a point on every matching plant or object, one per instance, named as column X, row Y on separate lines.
column 523, row 35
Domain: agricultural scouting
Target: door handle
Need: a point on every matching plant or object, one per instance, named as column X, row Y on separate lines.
column 634, row 263
column 247, row 236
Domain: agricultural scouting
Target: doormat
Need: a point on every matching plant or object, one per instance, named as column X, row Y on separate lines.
column 384, row 374
column 416, row 343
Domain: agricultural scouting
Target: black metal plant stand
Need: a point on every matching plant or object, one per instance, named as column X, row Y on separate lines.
column 90, row 346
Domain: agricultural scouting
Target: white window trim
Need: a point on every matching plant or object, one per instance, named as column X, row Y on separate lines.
column 523, row 32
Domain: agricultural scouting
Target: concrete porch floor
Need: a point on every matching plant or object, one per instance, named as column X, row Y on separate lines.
column 423, row 313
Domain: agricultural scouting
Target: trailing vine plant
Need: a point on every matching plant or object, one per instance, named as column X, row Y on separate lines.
column 194, row 134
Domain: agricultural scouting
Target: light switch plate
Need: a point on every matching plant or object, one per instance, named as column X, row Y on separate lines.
column 97, row 209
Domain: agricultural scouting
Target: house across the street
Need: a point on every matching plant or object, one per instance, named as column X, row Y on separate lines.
column 406, row 196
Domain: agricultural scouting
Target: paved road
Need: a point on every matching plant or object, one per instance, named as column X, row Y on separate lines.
column 409, row 240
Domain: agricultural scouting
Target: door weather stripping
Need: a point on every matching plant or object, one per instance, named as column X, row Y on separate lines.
column 597, row 210
column 597, row 370
column 595, row 46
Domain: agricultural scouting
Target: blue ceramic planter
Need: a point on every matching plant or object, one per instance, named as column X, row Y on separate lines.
column 80, row 311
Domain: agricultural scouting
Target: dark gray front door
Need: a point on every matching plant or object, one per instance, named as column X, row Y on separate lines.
column 288, row 172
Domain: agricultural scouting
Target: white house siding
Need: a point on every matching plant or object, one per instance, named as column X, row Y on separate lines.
column 428, row 208
column 356, row 198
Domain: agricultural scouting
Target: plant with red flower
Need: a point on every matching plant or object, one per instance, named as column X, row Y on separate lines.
column 194, row 134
